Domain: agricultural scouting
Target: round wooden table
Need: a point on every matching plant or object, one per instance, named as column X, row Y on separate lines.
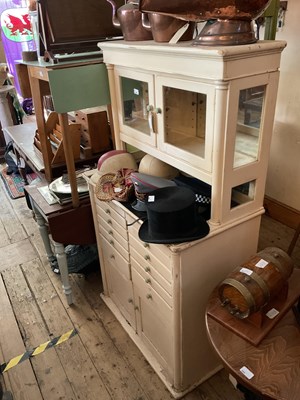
column 270, row 370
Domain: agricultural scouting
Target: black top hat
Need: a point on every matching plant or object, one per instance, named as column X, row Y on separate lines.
column 172, row 217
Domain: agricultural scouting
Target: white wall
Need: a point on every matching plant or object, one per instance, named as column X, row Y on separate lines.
column 283, row 181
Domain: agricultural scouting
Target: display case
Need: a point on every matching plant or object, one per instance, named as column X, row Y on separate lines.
column 208, row 112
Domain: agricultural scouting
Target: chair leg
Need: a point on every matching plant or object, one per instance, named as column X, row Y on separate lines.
column 294, row 240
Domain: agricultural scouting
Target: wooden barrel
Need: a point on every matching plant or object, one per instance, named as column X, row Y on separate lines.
column 253, row 284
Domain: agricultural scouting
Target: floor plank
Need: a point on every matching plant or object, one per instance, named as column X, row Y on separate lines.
column 9, row 219
column 22, row 378
column 16, row 253
column 77, row 363
column 50, row 374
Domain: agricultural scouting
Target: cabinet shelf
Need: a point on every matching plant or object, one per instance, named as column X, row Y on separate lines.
column 246, row 149
column 189, row 144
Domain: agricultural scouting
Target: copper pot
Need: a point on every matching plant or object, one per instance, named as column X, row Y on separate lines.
column 203, row 10
column 129, row 19
column 232, row 19
column 163, row 27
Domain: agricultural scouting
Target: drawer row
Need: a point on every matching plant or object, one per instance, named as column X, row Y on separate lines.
column 126, row 251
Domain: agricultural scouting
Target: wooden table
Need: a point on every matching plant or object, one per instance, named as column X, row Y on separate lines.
column 274, row 363
column 73, row 85
column 22, row 137
column 67, row 225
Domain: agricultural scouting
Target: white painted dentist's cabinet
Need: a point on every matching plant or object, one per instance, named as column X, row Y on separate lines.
column 208, row 112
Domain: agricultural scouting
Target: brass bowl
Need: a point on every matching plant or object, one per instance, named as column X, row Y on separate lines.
column 229, row 21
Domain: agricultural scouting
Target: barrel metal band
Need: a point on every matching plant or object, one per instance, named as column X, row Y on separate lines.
column 262, row 284
column 244, row 292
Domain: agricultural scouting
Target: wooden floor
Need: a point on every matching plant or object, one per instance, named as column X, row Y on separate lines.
column 100, row 362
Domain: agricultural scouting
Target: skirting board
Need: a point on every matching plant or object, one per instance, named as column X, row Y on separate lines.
column 282, row 213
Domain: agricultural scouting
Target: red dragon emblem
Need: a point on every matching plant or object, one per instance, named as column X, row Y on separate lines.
column 18, row 25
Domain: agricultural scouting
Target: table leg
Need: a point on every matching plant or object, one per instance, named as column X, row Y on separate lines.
column 248, row 394
column 43, row 229
column 63, row 269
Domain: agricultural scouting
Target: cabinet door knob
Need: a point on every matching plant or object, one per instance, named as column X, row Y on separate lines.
column 157, row 110
column 149, row 296
column 149, row 108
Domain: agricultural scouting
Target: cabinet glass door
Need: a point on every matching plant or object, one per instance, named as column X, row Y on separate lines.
column 186, row 122
column 249, row 125
column 135, row 93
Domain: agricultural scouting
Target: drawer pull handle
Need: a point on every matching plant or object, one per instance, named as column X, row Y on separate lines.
column 147, row 269
column 148, row 280
column 107, row 211
column 112, row 256
column 112, row 242
column 149, row 296
column 147, row 257
column 136, row 308
column 146, row 245
column 109, row 221
column 110, row 232
column 130, row 301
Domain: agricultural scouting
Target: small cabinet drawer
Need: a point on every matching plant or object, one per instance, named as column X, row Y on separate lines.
column 112, row 234
column 113, row 220
column 114, row 257
column 109, row 211
column 161, row 251
column 117, row 207
column 163, row 288
column 111, row 238
column 146, row 259
column 154, row 268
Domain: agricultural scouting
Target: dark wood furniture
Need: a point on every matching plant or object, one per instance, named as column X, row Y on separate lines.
column 67, row 225
column 77, row 30
column 274, row 363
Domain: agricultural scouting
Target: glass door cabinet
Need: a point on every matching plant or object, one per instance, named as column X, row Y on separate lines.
column 208, row 112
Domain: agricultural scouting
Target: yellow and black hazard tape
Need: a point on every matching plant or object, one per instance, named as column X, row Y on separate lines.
column 37, row 350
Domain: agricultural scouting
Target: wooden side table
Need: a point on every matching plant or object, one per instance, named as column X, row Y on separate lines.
column 270, row 370
column 67, row 225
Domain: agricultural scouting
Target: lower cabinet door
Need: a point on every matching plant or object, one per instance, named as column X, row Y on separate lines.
column 154, row 324
column 121, row 292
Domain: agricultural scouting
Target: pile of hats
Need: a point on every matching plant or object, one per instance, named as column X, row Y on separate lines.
column 171, row 210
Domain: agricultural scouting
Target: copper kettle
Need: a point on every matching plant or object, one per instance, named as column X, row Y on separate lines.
column 164, row 27
column 129, row 19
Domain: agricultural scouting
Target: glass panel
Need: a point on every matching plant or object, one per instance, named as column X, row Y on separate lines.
column 248, row 125
column 135, row 101
column 185, row 119
column 243, row 194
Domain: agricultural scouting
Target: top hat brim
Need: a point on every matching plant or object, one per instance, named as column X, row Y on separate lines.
column 201, row 230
